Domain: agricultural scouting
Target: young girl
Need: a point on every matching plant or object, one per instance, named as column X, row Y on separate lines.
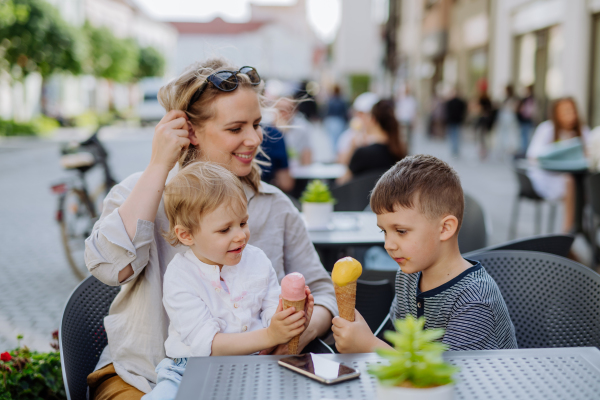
column 222, row 294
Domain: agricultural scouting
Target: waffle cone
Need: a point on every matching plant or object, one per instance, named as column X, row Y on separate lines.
column 346, row 300
column 299, row 305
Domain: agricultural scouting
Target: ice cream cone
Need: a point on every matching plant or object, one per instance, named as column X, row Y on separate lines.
column 293, row 344
column 346, row 300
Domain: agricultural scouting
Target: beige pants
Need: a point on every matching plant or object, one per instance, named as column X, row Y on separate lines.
column 105, row 384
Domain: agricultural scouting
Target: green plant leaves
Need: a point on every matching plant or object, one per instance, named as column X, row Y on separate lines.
column 416, row 358
column 317, row 192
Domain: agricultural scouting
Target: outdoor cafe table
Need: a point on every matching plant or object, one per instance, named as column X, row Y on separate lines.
column 554, row 373
column 347, row 229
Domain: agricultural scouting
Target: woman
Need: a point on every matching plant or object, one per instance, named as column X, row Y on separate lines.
column 565, row 124
column 384, row 146
column 212, row 115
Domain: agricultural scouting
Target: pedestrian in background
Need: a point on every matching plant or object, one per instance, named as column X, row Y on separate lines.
column 275, row 153
column 384, row 146
column 297, row 131
column 525, row 114
column 336, row 116
column 507, row 122
column 565, row 124
column 355, row 136
column 455, row 113
column 486, row 115
column 406, row 113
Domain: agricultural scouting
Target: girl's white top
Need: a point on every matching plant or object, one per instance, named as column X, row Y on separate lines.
column 549, row 185
column 199, row 308
column 137, row 323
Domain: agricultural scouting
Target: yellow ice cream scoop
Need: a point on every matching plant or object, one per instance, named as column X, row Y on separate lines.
column 346, row 270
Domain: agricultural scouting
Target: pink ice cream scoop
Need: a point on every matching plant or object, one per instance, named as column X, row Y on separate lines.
column 292, row 287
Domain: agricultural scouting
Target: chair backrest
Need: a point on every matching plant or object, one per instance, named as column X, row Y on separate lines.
column 594, row 190
column 373, row 301
column 552, row 301
column 473, row 231
column 559, row 245
column 354, row 195
column 526, row 189
column 82, row 336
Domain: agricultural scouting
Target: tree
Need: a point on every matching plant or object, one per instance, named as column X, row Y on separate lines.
column 151, row 63
column 37, row 39
column 111, row 57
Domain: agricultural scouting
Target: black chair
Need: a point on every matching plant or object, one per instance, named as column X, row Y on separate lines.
column 373, row 301
column 473, row 232
column 354, row 195
column 559, row 245
column 527, row 192
column 82, row 336
column 594, row 193
column 552, row 301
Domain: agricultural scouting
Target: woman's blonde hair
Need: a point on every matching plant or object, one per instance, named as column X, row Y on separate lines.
column 176, row 95
column 198, row 189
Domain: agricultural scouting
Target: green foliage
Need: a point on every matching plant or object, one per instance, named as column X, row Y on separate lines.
column 39, row 125
column 151, row 63
column 111, row 57
column 417, row 358
column 317, row 192
column 36, row 38
column 30, row 375
column 359, row 84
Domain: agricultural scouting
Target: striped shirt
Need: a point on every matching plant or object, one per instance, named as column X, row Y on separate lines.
column 470, row 307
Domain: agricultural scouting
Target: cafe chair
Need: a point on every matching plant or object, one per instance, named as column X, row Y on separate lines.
column 473, row 232
column 556, row 244
column 527, row 192
column 81, row 335
column 594, row 191
column 354, row 195
column 552, row 301
column 373, row 300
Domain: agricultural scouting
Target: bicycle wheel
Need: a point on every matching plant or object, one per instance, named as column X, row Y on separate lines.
column 76, row 225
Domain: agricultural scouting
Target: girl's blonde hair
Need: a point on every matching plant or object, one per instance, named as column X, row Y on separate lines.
column 198, row 189
column 176, row 95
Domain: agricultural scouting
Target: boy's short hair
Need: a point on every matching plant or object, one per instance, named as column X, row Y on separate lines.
column 423, row 182
column 196, row 190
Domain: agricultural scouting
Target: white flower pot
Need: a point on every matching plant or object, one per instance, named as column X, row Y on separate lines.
column 445, row 392
column 317, row 215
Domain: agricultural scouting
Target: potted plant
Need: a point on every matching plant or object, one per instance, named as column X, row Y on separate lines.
column 317, row 205
column 415, row 368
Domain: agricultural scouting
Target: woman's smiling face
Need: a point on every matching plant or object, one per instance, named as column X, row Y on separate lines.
column 232, row 137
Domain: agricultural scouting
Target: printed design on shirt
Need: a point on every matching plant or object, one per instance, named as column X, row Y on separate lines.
column 216, row 284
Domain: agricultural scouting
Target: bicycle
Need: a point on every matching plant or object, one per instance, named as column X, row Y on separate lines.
column 78, row 209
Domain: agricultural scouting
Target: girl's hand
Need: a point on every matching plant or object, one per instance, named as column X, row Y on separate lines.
column 309, row 305
column 285, row 324
column 171, row 135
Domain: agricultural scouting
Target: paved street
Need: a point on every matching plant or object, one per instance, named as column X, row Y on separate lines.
column 35, row 278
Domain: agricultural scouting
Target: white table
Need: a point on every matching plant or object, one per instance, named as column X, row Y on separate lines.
column 349, row 229
column 545, row 374
column 318, row 171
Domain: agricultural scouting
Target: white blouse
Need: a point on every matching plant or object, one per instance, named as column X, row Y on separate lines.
column 198, row 306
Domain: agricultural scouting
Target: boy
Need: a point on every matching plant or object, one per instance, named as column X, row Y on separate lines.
column 419, row 205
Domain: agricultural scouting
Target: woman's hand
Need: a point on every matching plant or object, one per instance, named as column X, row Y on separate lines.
column 171, row 136
column 309, row 305
column 285, row 324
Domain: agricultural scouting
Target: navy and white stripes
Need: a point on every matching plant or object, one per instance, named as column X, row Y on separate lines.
column 470, row 307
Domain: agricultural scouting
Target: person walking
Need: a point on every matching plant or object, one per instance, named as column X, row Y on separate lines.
column 485, row 120
column 507, row 122
column 526, row 112
column 456, row 111
column 406, row 113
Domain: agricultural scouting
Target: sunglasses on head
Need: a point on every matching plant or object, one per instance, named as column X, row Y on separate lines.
column 226, row 81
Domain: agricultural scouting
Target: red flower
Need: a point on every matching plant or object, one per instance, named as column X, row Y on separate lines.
column 5, row 356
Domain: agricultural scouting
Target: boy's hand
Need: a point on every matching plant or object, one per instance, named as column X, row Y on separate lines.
column 353, row 337
column 285, row 324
